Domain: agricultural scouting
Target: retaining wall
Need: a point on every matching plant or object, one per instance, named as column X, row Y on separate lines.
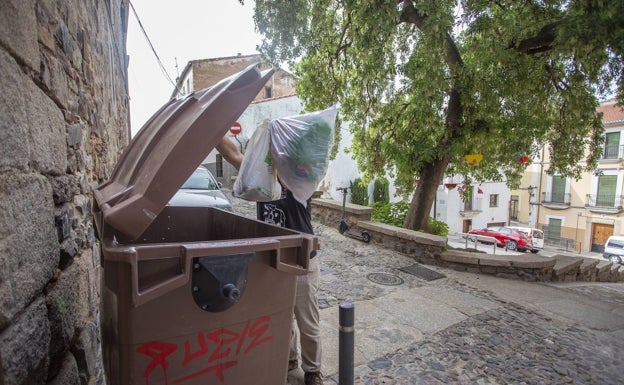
column 433, row 250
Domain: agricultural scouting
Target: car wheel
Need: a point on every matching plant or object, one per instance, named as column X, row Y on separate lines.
column 365, row 236
column 615, row 259
column 534, row 251
column 511, row 245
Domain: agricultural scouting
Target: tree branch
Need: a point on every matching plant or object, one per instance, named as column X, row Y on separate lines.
column 409, row 14
column 541, row 42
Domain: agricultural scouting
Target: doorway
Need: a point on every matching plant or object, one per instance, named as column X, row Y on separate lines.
column 466, row 225
column 600, row 233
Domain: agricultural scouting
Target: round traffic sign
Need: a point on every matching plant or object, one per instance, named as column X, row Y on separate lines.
column 236, row 128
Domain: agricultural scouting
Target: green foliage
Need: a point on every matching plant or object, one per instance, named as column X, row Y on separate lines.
column 359, row 192
column 381, row 190
column 394, row 214
column 423, row 83
column 438, row 227
column 390, row 213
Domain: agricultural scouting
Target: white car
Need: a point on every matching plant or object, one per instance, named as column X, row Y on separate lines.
column 535, row 235
column 201, row 189
column 614, row 249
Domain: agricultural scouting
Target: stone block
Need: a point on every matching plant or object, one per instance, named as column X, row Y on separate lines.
column 18, row 30
column 493, row 260
column 460, row 257
column 377, row 227
column 533, row 262
column 24, row 346
column 29, row 249
column 32, row 129
column 566, row 265
column 68, row 373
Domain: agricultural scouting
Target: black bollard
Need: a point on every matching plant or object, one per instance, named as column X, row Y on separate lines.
column 346, row 319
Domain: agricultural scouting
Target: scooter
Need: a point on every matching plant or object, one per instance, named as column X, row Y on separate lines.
column 343, row 226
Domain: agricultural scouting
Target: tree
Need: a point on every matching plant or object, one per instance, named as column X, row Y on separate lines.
column 424, row 83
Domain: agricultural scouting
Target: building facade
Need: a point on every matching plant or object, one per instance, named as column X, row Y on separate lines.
column 578, row 214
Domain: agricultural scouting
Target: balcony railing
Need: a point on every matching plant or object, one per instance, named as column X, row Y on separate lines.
column 610, row 201
column 471, row 208
column 556, row 198
column 612, row 152
column 473, row 204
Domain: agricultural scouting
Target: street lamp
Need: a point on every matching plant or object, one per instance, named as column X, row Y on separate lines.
column 578, row 215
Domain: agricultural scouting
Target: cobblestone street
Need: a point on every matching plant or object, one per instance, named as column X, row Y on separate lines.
column 462, row 328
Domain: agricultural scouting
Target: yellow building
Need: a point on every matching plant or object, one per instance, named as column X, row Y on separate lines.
column 577, row 215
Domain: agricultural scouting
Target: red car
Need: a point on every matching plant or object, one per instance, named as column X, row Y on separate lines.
column 505, row 237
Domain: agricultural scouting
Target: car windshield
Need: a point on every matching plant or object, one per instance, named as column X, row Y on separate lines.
column 200, row 180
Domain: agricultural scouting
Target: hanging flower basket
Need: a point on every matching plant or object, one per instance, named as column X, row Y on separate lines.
column 450, row 186
column 479, row 191
column 522, row 158
column 474, row 159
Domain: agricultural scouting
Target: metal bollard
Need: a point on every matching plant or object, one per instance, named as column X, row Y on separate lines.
column 346, row 319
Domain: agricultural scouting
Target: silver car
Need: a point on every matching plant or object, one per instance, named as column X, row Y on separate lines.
column 201, row 190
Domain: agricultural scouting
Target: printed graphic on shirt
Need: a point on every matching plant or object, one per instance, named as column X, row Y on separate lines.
column 272, row 214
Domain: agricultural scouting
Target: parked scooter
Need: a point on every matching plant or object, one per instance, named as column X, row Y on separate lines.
column 343, row 226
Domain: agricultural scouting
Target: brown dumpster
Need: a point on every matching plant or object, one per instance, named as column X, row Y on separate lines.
column 192, row 295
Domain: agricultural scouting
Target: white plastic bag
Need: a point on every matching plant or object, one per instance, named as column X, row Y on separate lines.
column 300, row 147
column 256, row 179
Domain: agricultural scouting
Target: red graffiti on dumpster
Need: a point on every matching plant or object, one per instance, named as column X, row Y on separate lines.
column 220, row 350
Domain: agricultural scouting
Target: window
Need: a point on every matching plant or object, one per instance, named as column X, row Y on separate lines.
column 554, row 230
column 558, row 189
column 493, row 200
column 606, row 190
column 515, row 202
column 268, row 92
column 612, row 146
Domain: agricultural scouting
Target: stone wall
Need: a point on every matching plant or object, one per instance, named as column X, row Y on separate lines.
column 433, row 250
column 64, row 122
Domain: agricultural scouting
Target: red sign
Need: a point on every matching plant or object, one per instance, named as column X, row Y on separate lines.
column 236, row 128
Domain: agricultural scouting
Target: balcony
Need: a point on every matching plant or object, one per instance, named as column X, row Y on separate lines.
column 612, row 153
column 604, row 203
column 555, row 201
column 471, row 209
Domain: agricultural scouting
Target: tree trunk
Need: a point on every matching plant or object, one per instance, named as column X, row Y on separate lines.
column 420, row 207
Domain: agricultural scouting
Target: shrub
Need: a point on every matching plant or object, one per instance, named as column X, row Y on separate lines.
column 438, row 227
column 381, row 191
column 390, row 213
column 359, row 192
column 394, row 214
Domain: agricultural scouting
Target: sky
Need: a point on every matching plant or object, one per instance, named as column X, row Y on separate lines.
column 180, row 31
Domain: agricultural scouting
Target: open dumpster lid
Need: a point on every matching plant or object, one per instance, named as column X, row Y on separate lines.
column 169, row 147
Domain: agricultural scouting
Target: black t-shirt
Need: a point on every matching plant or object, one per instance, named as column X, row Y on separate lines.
column 287, row 212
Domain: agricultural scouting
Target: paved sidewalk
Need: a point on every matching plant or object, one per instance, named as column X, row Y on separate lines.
column 462, row 328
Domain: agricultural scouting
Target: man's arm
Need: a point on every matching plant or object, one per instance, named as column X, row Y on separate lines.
column 230, row 152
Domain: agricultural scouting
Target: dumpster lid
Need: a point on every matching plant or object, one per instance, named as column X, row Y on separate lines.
column 169, row 147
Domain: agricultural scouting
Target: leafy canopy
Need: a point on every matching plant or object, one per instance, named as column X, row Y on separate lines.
column 526, row 74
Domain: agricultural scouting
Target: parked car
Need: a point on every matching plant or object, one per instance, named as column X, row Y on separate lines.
column 201, row 189
column 614, row 249
column 536, row 236
column 512, row 239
